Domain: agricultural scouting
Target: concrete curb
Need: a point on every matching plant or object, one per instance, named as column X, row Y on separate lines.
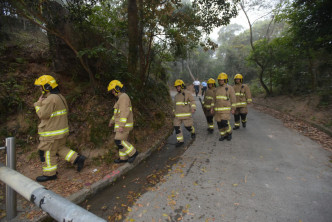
column 83, row 194
column 320, row 127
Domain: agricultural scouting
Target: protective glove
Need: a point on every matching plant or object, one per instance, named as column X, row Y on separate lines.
column 41, row 155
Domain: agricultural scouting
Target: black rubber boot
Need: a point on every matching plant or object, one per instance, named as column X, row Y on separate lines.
column 221, row 138
column 193, row 135
column 46, row 178
column 244, row 124
column 210, row 130
column 179, row 144
column 229, row 137
column 132, row 158
column 120, row 161
column 80, row 162
column 236, row 127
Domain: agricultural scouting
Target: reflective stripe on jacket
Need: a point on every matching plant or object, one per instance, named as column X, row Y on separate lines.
column 224, row 99
column 184, row 102
column 243, row 95
column 123, row 113
column 52, row 111
column 208, row 98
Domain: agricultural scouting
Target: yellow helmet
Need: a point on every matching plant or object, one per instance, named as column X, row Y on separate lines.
column 179, row 82
column 238, row 76
column 116, row 85
column 223, row 76
column 47, row 82
column 211, row 81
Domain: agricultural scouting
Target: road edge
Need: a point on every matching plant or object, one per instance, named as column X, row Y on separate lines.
column 321, row 128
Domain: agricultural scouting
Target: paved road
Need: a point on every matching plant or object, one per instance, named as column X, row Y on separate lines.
column 266, row 173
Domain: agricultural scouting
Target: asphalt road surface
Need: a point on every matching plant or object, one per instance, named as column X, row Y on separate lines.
column 266, row 173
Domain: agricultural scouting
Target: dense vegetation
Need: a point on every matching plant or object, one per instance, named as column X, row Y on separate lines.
column 148, row 44
column 288, row 51
column 85, row 45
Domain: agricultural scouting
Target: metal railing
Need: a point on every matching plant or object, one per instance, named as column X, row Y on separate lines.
column 11, row 204
column 57, row 207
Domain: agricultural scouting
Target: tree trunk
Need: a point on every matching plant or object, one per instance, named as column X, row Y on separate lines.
column 133, row 37
column 260, row 65
column 142, row 56
column 267, row 91
column 190, row 72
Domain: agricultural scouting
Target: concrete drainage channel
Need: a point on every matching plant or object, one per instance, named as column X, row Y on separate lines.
column 109, row 199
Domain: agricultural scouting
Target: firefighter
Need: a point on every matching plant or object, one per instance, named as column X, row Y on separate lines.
column 223, row 104
column 123, row 122
column 185, row 105
column 207, row 102
column 52, row 110
column 243, row 97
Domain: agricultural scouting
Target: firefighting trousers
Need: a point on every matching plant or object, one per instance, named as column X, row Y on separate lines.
column 126, row 149
column 51, row 149
column 223, row 123
column 240, row 113
column 209, row 118
column 188, row 123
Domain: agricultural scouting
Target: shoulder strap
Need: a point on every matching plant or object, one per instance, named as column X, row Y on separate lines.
column 63, row 102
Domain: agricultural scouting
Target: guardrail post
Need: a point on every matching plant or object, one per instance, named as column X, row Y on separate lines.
column 11, row 204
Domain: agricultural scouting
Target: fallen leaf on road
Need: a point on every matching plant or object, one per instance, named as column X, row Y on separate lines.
column 235, row 185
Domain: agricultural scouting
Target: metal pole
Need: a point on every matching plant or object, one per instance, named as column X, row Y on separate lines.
column 11, row 204
column 56, row 206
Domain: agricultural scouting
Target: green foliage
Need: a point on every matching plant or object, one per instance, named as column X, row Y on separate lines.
column 10, row 99
column 99, row 133
column 256, row 88
column 310, row 23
